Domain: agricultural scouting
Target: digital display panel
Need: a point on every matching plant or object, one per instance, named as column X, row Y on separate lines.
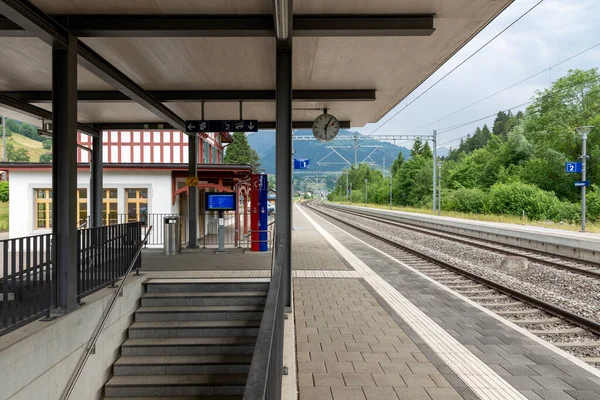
column 220, row 201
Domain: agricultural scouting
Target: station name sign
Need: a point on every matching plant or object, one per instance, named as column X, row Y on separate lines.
column 220, row 125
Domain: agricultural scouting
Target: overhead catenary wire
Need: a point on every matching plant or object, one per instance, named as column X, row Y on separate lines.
column 507, row 88
column 451, row 128
column 458, row 66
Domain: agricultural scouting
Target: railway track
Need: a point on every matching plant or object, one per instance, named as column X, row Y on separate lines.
column 559, row 262
column 571, row 332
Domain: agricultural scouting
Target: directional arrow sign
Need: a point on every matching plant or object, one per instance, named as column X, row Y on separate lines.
column 191, row 126
column 218, row 125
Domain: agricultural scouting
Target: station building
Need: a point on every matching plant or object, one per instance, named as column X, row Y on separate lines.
column 143, row 180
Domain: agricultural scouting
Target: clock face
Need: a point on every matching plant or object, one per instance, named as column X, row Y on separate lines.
column 325, row 127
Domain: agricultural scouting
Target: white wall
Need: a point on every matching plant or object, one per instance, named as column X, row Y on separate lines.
column 36, row 361
column 22, row 196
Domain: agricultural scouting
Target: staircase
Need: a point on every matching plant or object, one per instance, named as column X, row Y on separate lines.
column 191, row 339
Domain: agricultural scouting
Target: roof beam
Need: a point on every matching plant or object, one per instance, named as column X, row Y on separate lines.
column 229, row 25
column 47, row 29
column 163, row 125
column 37, row 112
column 100, row 96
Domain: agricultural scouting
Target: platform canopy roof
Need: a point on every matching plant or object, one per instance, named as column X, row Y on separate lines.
column 358, row 58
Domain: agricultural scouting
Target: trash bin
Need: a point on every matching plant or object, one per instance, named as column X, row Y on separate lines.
column 172, row 235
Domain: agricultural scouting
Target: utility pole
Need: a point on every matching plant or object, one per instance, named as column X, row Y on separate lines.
column 434, row 142
column 4, row 139
column 366, row 183
column 583, row 131
column 350, row 192
column 347, row 186
column 440, row 187
column 355, row 150
column 390, row 190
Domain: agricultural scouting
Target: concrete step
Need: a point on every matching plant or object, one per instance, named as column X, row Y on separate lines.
column 182, row 365
column 175, row 385
column 188, row 346
column 172, row 329
column 239, row 397
column 199, row 313
column 207, row 285
column 203, row 299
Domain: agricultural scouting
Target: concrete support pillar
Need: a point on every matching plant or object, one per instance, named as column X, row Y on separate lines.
column 64, row 172
column 96, row 192
column 283, row 146
column 192, row 193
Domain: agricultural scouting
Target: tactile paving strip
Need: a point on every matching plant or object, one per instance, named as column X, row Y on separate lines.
column 484, row 381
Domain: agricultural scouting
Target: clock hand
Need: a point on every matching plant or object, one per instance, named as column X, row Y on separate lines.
column 327, row 126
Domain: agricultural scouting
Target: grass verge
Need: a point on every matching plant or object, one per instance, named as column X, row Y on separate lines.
column 507, row 219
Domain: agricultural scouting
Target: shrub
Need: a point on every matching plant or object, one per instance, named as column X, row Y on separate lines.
column 593, row 203
column 517, row 198
column 566, row 212
column 465, row 200
column 4, row 191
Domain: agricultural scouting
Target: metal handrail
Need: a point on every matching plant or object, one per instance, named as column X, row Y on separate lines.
column 92, row 344
column 264, row 377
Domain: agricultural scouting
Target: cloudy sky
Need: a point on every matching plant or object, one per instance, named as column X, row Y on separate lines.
column 552, row 32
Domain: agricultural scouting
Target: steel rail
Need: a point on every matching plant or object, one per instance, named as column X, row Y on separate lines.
column 449, row 236
column 578, row 320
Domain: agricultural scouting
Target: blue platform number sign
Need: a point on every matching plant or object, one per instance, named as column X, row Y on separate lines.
column 263, row 186
column 573, row 167
column 301, row 163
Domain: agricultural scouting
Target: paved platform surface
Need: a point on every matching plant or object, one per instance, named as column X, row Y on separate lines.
column 204, row 259
column 311, row 251
column 363, row 338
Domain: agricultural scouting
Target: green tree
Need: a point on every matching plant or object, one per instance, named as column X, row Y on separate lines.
column 4, row 192
column 240, row 152
column 416, row 149
column 16, row 155
column 426, row 151
column 47, row 144
column 397, row 164
column 46, row 158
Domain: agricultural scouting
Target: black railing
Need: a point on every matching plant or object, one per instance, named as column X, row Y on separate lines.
column 266, row 369
column 27, row 280
column 104, row 255
column 134, row 263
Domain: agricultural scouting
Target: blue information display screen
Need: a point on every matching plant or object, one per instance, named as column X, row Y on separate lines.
column 220, row 201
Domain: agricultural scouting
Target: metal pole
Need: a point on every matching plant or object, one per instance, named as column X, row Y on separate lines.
column 347, row 186
column 350, row 192
column 64, row 172
column 583, row 177
column 434, row 141
column 390, row 191
column 440, row 188
column 4, row 139
column 355, row 150
column 96, row 182
column 192, row 192
column 283, row 145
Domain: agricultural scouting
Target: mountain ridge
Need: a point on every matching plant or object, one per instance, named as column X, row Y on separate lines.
column 264, row 144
